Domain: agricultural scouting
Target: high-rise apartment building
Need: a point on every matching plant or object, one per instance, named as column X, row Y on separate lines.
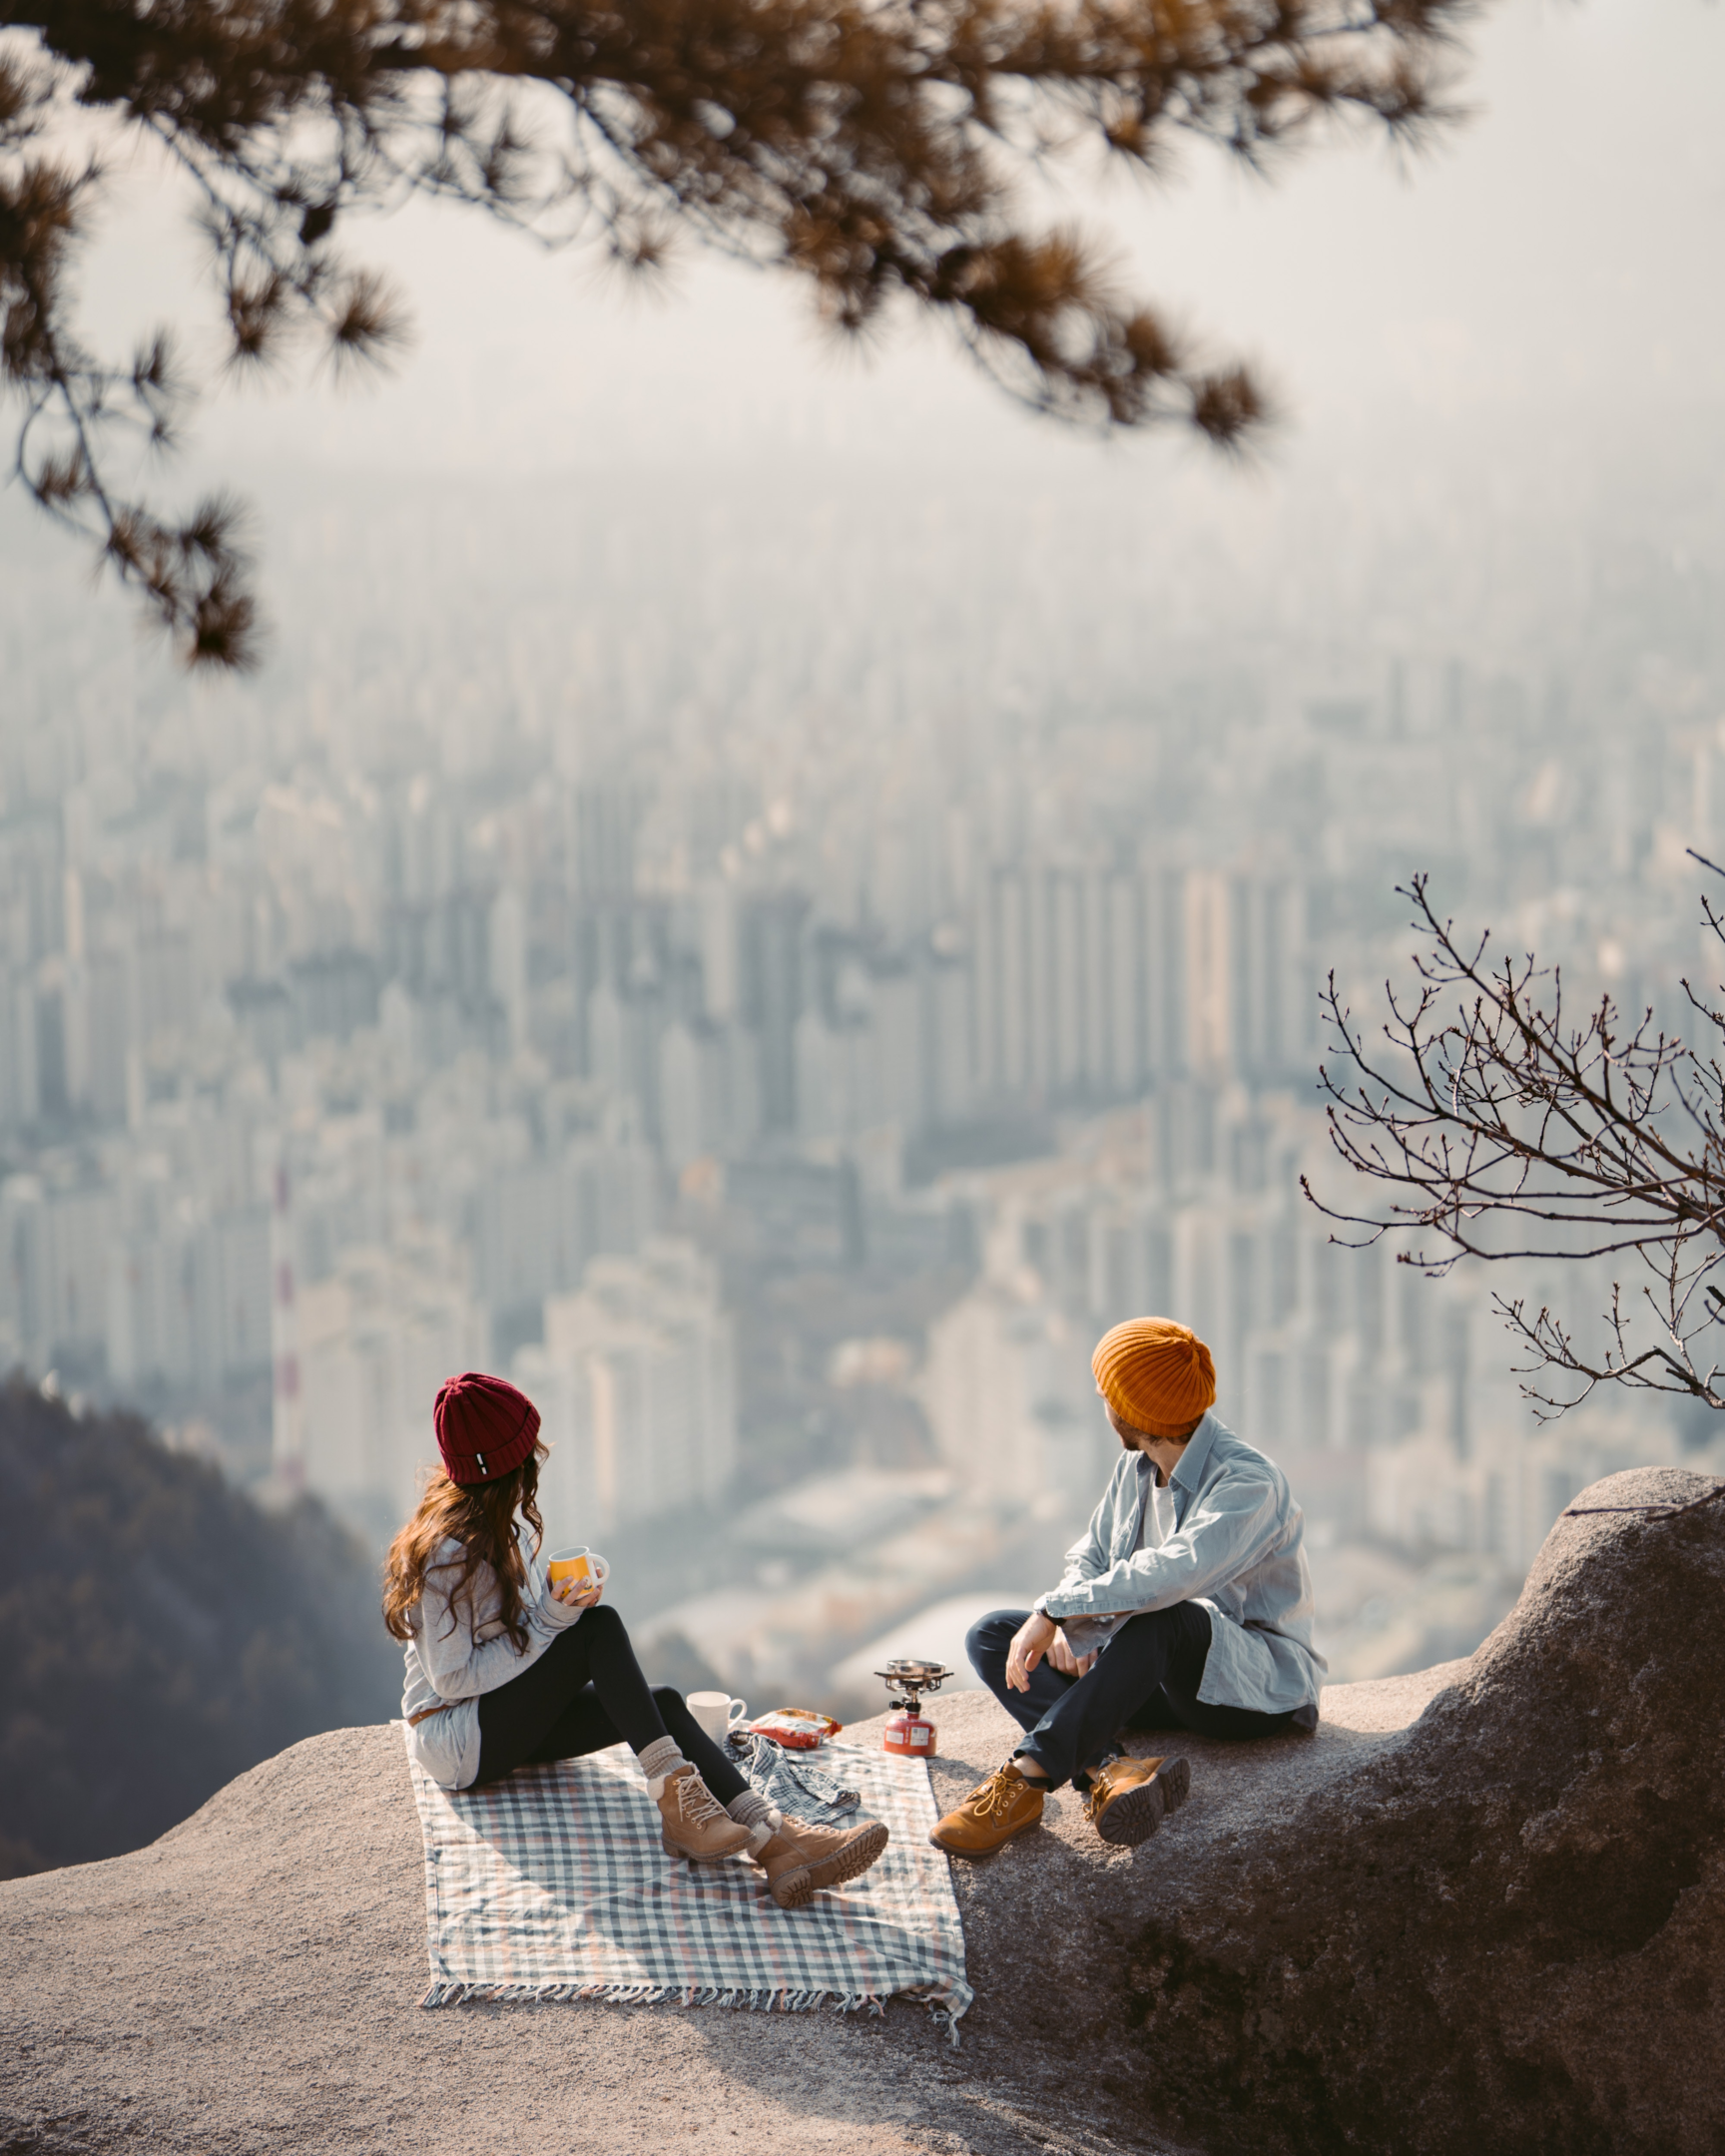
column 636, row 1387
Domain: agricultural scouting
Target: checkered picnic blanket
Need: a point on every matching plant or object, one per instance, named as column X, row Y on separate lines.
column 552, row 1884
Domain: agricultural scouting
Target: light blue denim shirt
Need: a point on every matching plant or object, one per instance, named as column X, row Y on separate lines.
column 1236, row 1548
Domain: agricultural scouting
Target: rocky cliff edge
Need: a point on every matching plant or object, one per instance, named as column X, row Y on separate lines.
column 1479, row 1909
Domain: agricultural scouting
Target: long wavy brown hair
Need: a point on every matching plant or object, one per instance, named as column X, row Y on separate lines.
column 481, row 1517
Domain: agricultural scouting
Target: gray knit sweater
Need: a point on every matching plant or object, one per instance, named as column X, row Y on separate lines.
column 460, row 1650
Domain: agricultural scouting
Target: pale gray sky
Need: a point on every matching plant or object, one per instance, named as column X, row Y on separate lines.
column 1548, row 276
column 1501, row 373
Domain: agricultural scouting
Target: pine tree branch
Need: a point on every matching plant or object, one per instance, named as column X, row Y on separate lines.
column 882, row 152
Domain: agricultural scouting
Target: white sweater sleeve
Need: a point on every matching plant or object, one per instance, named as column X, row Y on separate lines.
column 464, row 1656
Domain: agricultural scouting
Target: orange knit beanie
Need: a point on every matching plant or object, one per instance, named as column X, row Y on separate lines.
column 1155, row 1375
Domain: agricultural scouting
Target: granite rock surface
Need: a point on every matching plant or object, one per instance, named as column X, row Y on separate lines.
column 1478, row 1908
column 251, row 1984
column 1499, row 1928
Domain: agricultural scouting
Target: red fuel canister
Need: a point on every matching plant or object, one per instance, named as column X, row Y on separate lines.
column 908, row 1732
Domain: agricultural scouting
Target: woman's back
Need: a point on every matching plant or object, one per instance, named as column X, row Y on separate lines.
column 459, row 1647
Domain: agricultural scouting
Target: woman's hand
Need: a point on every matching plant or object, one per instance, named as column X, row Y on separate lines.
column 565, row 1592
column 1061, row 1657
column 1031, row 1643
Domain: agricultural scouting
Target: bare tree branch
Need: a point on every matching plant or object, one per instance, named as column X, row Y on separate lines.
column 1513, row 1133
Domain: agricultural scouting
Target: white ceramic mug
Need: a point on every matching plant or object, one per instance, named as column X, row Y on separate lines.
column 716, row 1712
column 585, row 1567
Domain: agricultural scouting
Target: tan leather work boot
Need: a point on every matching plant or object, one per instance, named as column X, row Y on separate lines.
column 802, row 1857
column 990, row 1815
column 696, row 1825
column 1128, row 1798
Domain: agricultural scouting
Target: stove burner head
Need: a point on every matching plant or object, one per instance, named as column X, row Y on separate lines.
column 907, row 1677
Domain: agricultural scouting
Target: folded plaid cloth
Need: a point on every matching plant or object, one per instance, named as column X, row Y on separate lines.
column 552, row 1883
column 787, row 1780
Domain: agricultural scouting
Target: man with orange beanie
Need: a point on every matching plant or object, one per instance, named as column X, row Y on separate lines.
column 1187, row 1604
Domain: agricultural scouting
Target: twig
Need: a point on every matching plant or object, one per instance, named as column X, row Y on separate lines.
column 1664, row 1511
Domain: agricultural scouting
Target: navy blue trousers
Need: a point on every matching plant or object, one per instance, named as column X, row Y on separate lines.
column 1146, row 1678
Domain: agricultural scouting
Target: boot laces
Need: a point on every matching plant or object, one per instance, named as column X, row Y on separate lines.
column 998, row 1793
column 1100, row 1790
column 696, row 1803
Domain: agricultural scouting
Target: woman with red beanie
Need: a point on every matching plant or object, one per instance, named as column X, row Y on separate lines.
column 503, row 1670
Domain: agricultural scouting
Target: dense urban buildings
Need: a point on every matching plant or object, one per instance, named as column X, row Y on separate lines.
column 784, row 1059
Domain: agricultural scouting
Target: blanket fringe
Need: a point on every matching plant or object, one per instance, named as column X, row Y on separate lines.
column 757, row 1999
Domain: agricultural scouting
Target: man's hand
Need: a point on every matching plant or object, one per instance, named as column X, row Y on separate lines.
column 1031, row 1643
column 1061, row 1657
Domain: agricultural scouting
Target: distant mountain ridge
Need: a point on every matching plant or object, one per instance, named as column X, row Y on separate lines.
column 160, row 1633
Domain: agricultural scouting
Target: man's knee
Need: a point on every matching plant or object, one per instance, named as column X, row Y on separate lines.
column 990, row 1637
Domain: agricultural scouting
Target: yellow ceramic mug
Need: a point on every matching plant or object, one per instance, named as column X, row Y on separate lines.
column 585, row 1567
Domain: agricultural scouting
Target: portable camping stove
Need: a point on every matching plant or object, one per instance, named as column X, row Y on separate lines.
column 908, row 1730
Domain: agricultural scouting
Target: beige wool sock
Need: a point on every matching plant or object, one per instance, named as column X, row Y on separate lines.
column 660, row 1760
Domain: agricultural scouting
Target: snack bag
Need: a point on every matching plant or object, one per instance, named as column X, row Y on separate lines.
column 798, row 1729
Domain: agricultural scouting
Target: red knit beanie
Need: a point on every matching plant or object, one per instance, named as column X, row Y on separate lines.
column 485, row 1426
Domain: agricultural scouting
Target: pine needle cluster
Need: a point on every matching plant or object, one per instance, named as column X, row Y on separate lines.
column 882, row 148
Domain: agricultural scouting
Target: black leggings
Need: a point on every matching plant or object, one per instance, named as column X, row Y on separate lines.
column 1146, row 1678
column 585, row 1692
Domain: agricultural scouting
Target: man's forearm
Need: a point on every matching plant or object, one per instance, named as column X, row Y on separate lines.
column 1068, row 1581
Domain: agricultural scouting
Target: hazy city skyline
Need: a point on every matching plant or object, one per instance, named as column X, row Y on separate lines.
column 714, row 809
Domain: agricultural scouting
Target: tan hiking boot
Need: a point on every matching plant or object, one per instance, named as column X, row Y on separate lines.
column 1005, row 1805
column 802, row 1857
column 696, row 1825
column 1129, row 1797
